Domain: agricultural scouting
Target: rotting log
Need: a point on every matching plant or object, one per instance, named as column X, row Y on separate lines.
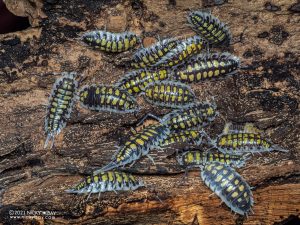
column 266, row 92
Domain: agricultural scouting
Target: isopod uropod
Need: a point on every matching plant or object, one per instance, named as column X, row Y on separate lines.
column 60, row 105
column 107, row 98
column 111, row 42
column 209, row 27
column 226, row 183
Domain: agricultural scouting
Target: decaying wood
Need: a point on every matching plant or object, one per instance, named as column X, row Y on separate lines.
column 265, row 92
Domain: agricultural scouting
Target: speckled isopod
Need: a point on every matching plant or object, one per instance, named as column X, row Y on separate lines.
column 147, row 57
column 111, row 42
column 107, row 181
column 107, row 98
column 209, row 27
column 205, row 67
column 184, row 50
column 226, row 183
column 198, row 158
column 138, row 145
column 135, row 81
column 197, row 115
column 169, row 94
column 60, row 105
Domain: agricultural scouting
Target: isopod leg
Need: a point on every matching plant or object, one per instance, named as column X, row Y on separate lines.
column 146, row 117
column 151, row 159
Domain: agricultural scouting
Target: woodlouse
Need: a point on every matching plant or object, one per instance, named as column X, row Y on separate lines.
column 136, row 81
column 206, row 66
column 184, row 50
column 99, row 97
column 147, row 57
column 209, row 27
column 107, row 181
column 198, row 158
column 60, row 105
column 138, row 145
column 226, row 183
column 111, row 42
column 169, row 94
column 197, row 115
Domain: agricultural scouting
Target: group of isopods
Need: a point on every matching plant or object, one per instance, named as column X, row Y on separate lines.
column 159, row 74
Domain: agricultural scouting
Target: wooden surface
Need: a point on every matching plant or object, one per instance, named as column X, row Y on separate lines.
column 265, row 93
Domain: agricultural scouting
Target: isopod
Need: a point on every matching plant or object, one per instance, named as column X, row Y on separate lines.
column 241, row 141
column 186, row 136
column 135, row 81
column 206, row 66
column 198, row 158
column 169, row 94
column 60, row 105
column 107, row 181
column 138, row 145
column 197, row 115
column 98, row 97
column 226, row 183
column 147, row 57
column 111, row 42
column 184, row 50
column 210, row 28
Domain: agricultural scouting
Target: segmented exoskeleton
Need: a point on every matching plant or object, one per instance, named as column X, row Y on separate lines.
column 147, row 57
column 135, row 81
column 111, row 42
column 198, row 158
column 206, row 66
column 186, row 49
column 138, row 145
column 226, row 183
column 209, row 27
column 60, row 105
column 98, row 97
column 198, row 115
column 187, row 136
column 169, row 94
column 243, row 141
column 107, row 181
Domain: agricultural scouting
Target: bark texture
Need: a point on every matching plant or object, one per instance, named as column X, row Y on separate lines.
column 266, row 92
